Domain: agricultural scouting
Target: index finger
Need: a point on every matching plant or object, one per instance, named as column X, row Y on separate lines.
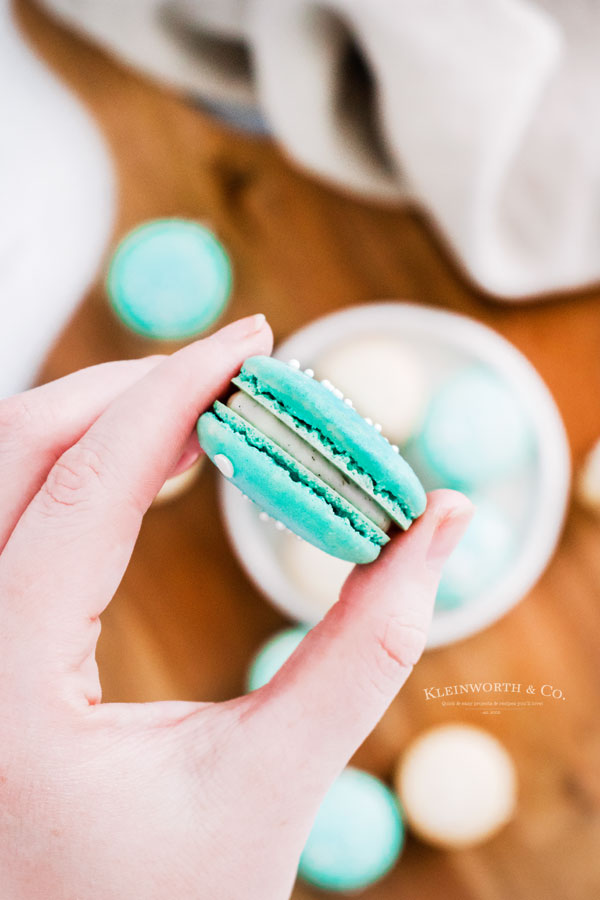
column 67, row 554
column 40, row 424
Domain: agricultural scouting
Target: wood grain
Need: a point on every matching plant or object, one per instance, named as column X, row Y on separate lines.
column 185, row 621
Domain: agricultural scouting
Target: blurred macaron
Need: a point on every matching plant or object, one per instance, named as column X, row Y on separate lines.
column 384, row 379
column 457, row 785
column 272, row 655
column 317, row 575
column 178, row 485
column 357, row 835
column 169, row 279
column 475, row 430
column 588, row 480
column 479, row 560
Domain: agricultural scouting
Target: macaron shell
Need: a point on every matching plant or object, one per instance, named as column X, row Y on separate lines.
column 287, row 491
column 169, row 279
column 327, row 423
column 270, row 657
column 475, row 430
column 318, row 576
column 178, row 485
column 457, row 785
column 482, row 554
column 357, row 835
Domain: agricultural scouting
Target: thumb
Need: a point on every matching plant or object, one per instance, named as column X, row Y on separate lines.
column 336, row 686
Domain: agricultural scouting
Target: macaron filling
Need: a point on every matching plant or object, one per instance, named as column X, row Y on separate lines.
column 254, row 441
column 311, row 428
column 301, row 452
column 282, row 435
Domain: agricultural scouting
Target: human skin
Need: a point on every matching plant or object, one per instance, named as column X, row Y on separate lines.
column 168, row 799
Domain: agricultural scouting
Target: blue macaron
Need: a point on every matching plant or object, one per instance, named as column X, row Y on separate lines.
column 357, row 835
column 481, row 557
column 299, row 450
column 475, row 431
column 169, row 279
column 272, row 655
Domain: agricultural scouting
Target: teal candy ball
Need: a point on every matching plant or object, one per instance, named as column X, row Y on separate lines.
column 475, row 430
column 272, row 656
column 480, row 558
column 357, row 836
column 169, row 279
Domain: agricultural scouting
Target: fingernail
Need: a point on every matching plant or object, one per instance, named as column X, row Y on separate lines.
column 241, row 329
column 449, row 530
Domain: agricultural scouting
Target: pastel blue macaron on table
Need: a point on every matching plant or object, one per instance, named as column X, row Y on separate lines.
column 300, row 450
column 358, row 833
column 475, row 430
column 357, row 836
column 272, row 655
column 169, row 279
column 480, row 558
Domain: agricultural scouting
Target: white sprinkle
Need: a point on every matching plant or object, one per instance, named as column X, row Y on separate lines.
column 387, row 440
column 337, row 393
column 294, row 363
column 395, row 448
column 224, row 465
column 309, row 372
column 377, row 426
column 327, row 384
column 348, row 402
column 263, row 516
column 279, row 526
column 368, row 421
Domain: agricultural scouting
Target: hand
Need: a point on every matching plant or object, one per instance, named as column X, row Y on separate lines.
column 171, row 799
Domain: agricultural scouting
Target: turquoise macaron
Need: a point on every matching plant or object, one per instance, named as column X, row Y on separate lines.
column 481, row 558
column 271, row 656
column 357, row 836
column 298, row 448
column 475, row 432
column 169, row 279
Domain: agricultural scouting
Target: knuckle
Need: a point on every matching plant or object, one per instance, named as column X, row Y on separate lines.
column 16, row 417
column 75, row 478
column 398, row 645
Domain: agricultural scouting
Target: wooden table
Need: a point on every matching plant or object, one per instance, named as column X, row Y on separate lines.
column 301, row 249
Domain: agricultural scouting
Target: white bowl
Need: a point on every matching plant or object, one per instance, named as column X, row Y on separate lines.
column 541, row 493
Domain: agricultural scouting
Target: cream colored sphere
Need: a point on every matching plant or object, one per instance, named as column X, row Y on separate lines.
column 588, row 481
column 317, row 575
column 457, row 785
column 383, row 378
column 179, row 484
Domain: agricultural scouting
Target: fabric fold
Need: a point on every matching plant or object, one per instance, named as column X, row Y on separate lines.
column 483, row 113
